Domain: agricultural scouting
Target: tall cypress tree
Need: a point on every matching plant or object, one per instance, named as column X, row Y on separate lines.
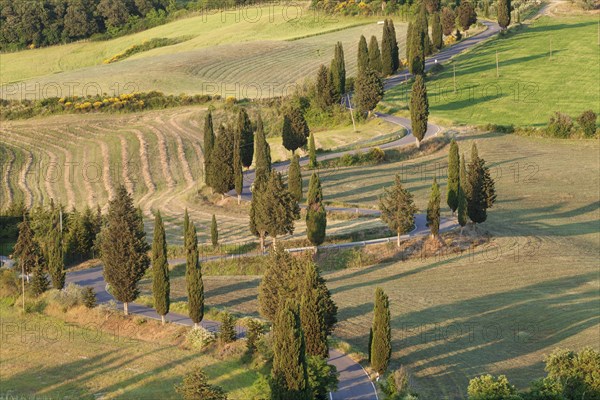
column 504, row 8
column 295, row 129
column 124, row 248
column 221, row 161
column 410, row 42
column 374, row 56
column 463, row 179
column 193, row 277
column 263, row 154
column 259, row 214
column 453, row 176
column 312, row 316
column 209, row 144
column 26, row 249
column 238, row 173
column 338, row 72
column 418, row 43
column 56, row 260
column 433, row 209
column 214, row 232
column 368, row 90
column 186, row 226
column 316, row 216
column 280, row 207
column 419, row 109
column 39, row 282
column 312, row 152
column 398, row 209
column 482, row 193
column 289, row 372
column 161, row 286
column 363, row 54
column 381, row 345
column 246, row 135
column 461, row 201
column 295, row 178
column 394, row 45
column 324, row 87
column 436, row 32
column 387, row 56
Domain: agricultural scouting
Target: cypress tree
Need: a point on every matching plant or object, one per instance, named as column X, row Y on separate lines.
column 462, row 205
column 209, row 144
column 448, row 21
column 394, row 44
column 124, row 248
column 324, row 88
column 246, row 135
column 295, row 129
column 316, row 216
column 259, row 217
column 280, row 207
column 374, row 56
column 436, row 32
column 381, row 346
column 193, row 277
column 368, row 91
column 295, row 178
column 263, row 154
column 312, row 152
column 238, row 173
column 463, row 180
column 160, row 269
column 255, row 331
column 39, row 282
column 338, row 72
column 56, row 261
column 417, row 44
column 26, row 249
column 482, row 193
column 195, row 386
column 289, row 372
column 186, row 226
column 398, row 209
column 227, row 330
column 222, row 161
column 466, row 15
column 419, row 109
column 312, row 316
column 453, row 176
column 387, row 57
column 433, row 209
column 214, row 232
column 363, row 54
column 504, row 8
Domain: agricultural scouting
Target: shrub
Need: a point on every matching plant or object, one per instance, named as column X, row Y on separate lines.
column 227, row 331
column 199, row 338
column 376, row 155
column 436, row 68
column 9, row 283
column 560, row 125
column 195, row 386
column 587, row 122
column 89, row 297
column 69, row 297
column 397, row 384
column 486, row 387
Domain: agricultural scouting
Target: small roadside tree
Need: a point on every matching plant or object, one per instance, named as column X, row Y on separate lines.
column 295, row 178
column 368, row 91
column 209, row 144
column 436, row 32
column 195, row 386
column 419, row 109
column 433, row 209
column 214, row 231
column 448, row 21
column 324, row 89
column 466, row 15
column 338, row 72
column 161, row 286
column 26, row 250
column 504, row 9
column 222, row 161
column 281, row 208
column 363, row 54
column 374, row 56
column 56, row 259
column 295, row 129
column 262, row 158
column 386, row 51
column 39, row 282
column 316, row 215
column 312, row 152
column 453, row 176
column 193, row 277
column 398, row 209
column 381, row 345
column 246, row 137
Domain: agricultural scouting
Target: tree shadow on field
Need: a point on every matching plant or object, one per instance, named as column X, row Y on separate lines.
column 558, row 27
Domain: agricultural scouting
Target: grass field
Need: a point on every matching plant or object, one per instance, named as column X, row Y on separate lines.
column 54, row 359
column 532, row 85
column 215, row 61
column 497, row 310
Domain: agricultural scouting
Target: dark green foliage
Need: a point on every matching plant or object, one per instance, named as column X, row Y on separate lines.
column 394, row 45
column 39, row 282
column 227, row 330
column 89, row 297
column 289, row 372
column 161, row 287
column 387, row 61
column 312, row 152
column 80, row 236
column 448, row 21
column 295, row 129
column 419, row 108
column 238, row 173
column 419, row 39
column 195, row 386
column 560, row 126
column 222, row 176
column 263, row 154
column 587, row 122
column 193, row 276
column 283, row 279
column 381, row 346
column 466, row 15
column 504, row 9
column 295, row 178
column 432, row 6
column 368, row 91
column 398, row 208
column 312, row 316
column 316, row 215
column 254, row 332
column 186, row 226
column 325, row 96
column 363, row 54
column 486, row 387
column 481, row 192
column 433, row 209
column 436, row 32
column 209, row 144
column 322, row 377
column 338, row 72
column 463, row 194
column 246, row 134
column 123, row 248
column 280, row 207
column 55, row 258
column 214, row 232
column 453, row 176
column 26, row 250
column 259, row 216
column 374, row 56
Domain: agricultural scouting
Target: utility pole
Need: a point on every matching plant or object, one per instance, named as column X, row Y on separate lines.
column 351, row 112
column 497, row 66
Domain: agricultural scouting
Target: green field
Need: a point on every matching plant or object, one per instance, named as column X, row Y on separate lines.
column 54, row 359
column 532, row 85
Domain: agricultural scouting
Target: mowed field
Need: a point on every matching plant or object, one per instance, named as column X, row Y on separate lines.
column 550, row 65
column 248, row 58
column 498, row 309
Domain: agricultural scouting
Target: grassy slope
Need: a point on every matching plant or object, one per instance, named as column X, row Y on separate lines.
column 531, row 85
column 538, row 281
column 85, row 363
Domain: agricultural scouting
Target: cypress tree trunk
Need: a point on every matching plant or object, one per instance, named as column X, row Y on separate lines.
column 125, row 308
column 398, row 239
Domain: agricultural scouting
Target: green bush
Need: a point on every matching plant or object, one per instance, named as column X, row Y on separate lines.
column 199, row 338
column 69, row 297
column 560, row 125
column 89, row 297
column 9, row 283
column 587, row 122
column 486, row 387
